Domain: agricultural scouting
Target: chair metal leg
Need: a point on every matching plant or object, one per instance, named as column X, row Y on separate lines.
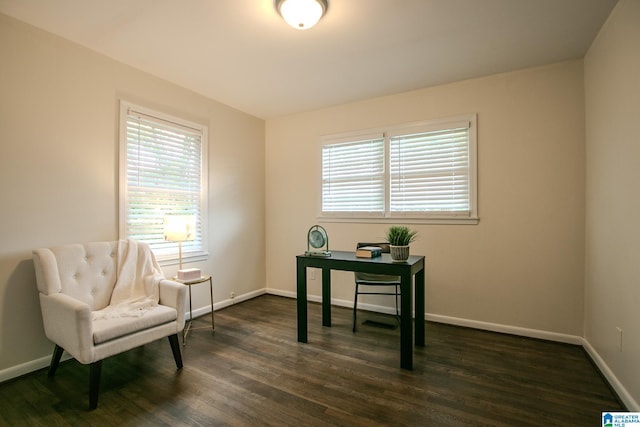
column 95, row 369
column 355, row 307
column 175, row 348
column 55, row 360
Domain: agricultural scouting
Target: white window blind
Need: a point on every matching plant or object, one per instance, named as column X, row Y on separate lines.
column 162, row 159
column 422, row 171
column 353, row 176
column 429, row 172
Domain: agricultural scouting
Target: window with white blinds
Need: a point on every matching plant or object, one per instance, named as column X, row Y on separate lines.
column 162, row 172
column 429, row 172
column 353, row 176
column 421, row 171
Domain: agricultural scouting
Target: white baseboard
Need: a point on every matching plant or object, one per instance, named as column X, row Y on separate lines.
column 226, row 303
column 28, row 367
column 618, row 387
column 334, row 301
column 506, row 329
column 24, row 368
column 280, row 293
column 514, row 330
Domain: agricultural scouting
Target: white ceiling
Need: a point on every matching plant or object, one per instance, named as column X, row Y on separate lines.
column 241, row 52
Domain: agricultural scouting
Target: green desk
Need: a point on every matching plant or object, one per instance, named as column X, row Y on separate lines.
column 347, row 261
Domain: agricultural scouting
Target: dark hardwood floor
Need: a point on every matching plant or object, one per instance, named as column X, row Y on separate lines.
column 253, row 372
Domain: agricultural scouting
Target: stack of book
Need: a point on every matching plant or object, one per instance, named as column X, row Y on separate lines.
column 189, row 274
column 368, row 252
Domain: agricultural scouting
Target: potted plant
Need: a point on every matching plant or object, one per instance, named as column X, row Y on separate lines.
column 399, row 238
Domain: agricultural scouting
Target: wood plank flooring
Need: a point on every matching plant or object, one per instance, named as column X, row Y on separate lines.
column 253, row 372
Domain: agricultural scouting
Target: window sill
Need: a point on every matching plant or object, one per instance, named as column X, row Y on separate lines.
column 398, row 220
column 168, row 260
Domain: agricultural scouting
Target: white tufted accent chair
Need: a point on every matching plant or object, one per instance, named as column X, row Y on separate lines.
column 75, row 280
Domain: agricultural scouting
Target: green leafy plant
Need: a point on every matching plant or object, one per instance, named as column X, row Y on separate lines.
column 399, row 235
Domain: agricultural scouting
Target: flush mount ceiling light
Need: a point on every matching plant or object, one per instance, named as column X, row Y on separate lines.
column 302, row 14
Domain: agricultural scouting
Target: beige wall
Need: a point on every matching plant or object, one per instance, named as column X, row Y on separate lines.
column 523, row 264
column 59, row 174
column 612, row 87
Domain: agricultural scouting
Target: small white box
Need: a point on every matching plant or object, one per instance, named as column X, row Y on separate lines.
column 189, row 274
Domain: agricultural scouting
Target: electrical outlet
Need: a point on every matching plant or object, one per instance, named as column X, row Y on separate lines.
column 233, row 295
column 312, row 273
column 619, row 329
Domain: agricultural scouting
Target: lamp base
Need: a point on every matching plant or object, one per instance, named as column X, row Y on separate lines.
column 189, row 274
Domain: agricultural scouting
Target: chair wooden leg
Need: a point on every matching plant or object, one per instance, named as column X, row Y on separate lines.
column 95, row 369
column 355, row 307
column 55, row 360
column 175, row 348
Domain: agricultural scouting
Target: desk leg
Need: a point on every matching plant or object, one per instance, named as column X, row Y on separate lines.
column 419, row 295
column 326, row 297
column 301, row 277
column 406, row 322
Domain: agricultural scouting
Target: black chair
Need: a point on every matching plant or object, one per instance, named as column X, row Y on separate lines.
column 375, row 280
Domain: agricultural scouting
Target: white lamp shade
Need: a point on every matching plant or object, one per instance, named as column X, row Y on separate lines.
column 301, row 14
column 179, row 228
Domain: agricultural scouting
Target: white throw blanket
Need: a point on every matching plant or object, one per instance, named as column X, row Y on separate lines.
column 136, row 288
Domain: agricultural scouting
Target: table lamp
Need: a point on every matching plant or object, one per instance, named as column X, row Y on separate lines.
column 180, row 228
